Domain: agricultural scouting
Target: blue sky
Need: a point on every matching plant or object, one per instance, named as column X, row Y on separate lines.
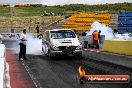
column 62, row 2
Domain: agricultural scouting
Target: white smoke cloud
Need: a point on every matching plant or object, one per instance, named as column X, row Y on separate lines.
column 34, row 45
column 107, row 31
column 62, row 2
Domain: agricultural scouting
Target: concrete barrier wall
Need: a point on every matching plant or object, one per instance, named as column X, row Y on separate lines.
column 85, row 38
column 14, row 36
column 2, row 64
column 89, row 39
column 118, row 46
column 10, row 36
column 117, row 59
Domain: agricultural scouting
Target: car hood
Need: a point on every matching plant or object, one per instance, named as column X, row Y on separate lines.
column 65, row 42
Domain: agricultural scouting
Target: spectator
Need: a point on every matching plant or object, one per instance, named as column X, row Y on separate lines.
column 22, row 53
column 96, row 39
column 37, row 29
column 99, row 37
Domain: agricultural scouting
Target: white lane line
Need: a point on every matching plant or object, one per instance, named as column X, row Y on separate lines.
column 35, row 81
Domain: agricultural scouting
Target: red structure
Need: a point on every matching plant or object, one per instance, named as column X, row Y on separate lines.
column 28, row 5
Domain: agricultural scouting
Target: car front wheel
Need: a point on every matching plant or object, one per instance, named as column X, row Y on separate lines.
column 50, row 56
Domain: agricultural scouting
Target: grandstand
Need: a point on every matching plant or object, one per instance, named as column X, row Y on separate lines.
column 125, row 22
column 83, row 21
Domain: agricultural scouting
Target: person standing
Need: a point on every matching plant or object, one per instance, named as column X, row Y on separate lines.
column 99, row 36
column 96, row 39
column 37, row 29
column 23, row 39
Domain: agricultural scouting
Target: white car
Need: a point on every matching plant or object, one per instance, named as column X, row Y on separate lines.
column 61, row 42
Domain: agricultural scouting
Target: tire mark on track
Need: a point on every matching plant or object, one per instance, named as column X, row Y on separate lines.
column 62, row 73
column 46, row 74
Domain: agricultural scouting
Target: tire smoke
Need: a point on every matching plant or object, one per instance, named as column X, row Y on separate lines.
column 34, row 44
column 107, row 31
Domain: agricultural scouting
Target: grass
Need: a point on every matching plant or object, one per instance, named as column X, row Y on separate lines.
column 6, row 23
column 35, row 11
column 64, row 10
column 30, row 11
column 4, row 11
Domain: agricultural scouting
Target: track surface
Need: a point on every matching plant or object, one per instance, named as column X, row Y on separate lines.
column 62, row 71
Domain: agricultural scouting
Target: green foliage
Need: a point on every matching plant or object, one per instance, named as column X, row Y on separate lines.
column 64, row 10
column 28, row 11
column 4, row 5
column 4, row 11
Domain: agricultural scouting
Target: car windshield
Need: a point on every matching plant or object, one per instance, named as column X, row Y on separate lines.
column 62, row 34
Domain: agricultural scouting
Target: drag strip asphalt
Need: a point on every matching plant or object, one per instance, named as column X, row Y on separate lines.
column 62, row 72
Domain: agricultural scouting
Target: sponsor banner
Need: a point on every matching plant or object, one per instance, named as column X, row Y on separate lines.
column 10, row 36
column 107, row 78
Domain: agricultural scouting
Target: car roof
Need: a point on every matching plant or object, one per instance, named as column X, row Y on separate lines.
column 58, row 29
